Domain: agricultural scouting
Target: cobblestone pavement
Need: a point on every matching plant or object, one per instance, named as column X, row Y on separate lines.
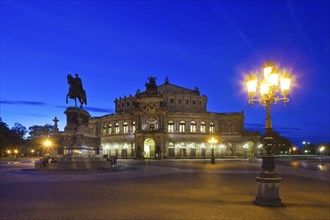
column 167, row 189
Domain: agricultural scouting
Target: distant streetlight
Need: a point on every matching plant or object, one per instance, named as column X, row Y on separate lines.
column 47, row 144
column 32, row 152
column 292, row 150
column 245, row 147
column 212, row 141
column 321, row 152
column 273, row 86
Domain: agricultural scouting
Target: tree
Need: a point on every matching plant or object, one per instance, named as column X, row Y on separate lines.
column 280, row 145
column 19, row 129
column 309, row 148
column 37, row 134
column 10, row 139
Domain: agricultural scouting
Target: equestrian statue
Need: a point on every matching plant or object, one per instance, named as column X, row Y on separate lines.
column 76, row 90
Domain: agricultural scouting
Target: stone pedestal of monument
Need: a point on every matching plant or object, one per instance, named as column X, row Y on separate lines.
column 78, row 148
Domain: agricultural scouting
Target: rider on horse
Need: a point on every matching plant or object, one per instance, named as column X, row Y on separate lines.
column 76, row 90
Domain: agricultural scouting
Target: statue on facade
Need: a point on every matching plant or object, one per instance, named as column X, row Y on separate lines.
column 76, row 90
column 151, row 86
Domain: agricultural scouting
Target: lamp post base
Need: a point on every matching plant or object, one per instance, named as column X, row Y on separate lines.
column 268, row 192
column 212, row 160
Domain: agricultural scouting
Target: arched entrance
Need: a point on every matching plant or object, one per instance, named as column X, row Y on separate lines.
column 149, row 148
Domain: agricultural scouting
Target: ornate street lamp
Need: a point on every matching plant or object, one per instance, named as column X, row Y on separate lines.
column 274, row 86
column 212, row 141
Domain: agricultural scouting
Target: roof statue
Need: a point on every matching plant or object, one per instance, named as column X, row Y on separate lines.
column 151, row 86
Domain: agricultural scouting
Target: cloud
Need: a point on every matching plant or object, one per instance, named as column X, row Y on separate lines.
column 316, row 123
column 276, row 128
column 91, row 109
column 254, row 125
column 95, row 109
column 34, row 103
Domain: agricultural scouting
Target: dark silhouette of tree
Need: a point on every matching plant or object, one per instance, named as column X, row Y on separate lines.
column 11, row 138
column 309, row 148
column 281, row 144
column 36, row 135
column 19, row 129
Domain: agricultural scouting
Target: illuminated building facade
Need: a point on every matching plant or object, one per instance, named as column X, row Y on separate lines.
column 169, row 121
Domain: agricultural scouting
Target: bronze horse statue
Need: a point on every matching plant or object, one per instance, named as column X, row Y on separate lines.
column 76, row 91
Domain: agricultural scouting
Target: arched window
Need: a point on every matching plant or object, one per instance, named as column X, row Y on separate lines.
column 203, row 127
column 193, row 126
column 182, row 126
column 109, row 128
column 170, row 145
column 104, row 130
column 125, row 128
column 133, row 126
column 211, row 127
column 117, row 128
column 170, row 126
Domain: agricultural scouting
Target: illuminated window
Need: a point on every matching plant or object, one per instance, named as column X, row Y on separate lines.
column 170, row 145
column 211, row 127
column 117, row 128
column 182, row 126
column 125, row 127
column 109, row 128
column 104, row 130
column 202, row 127
column 170, row 126
column 133, row 126
column 193, row 126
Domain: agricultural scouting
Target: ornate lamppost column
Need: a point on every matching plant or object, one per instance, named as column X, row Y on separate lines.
column 274, row 87
column 212, row 141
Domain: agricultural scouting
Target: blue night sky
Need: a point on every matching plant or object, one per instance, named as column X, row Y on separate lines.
column 116, row 45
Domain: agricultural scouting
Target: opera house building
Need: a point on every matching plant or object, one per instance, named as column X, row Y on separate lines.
column 169, row 121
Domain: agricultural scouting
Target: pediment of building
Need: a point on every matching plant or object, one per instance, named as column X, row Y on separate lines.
column 173, row 89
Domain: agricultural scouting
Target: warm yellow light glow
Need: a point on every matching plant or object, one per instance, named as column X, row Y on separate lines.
column 321, row 149
column 213, row 141
column 268, row 68
column 273, row 78
column 267, row 71
column 285, row 82
column 252, row 84
column 264, row 89
column 294, row 148
column 32, row 151
column 8, row 151
column 47, row 143
column 15, row 151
